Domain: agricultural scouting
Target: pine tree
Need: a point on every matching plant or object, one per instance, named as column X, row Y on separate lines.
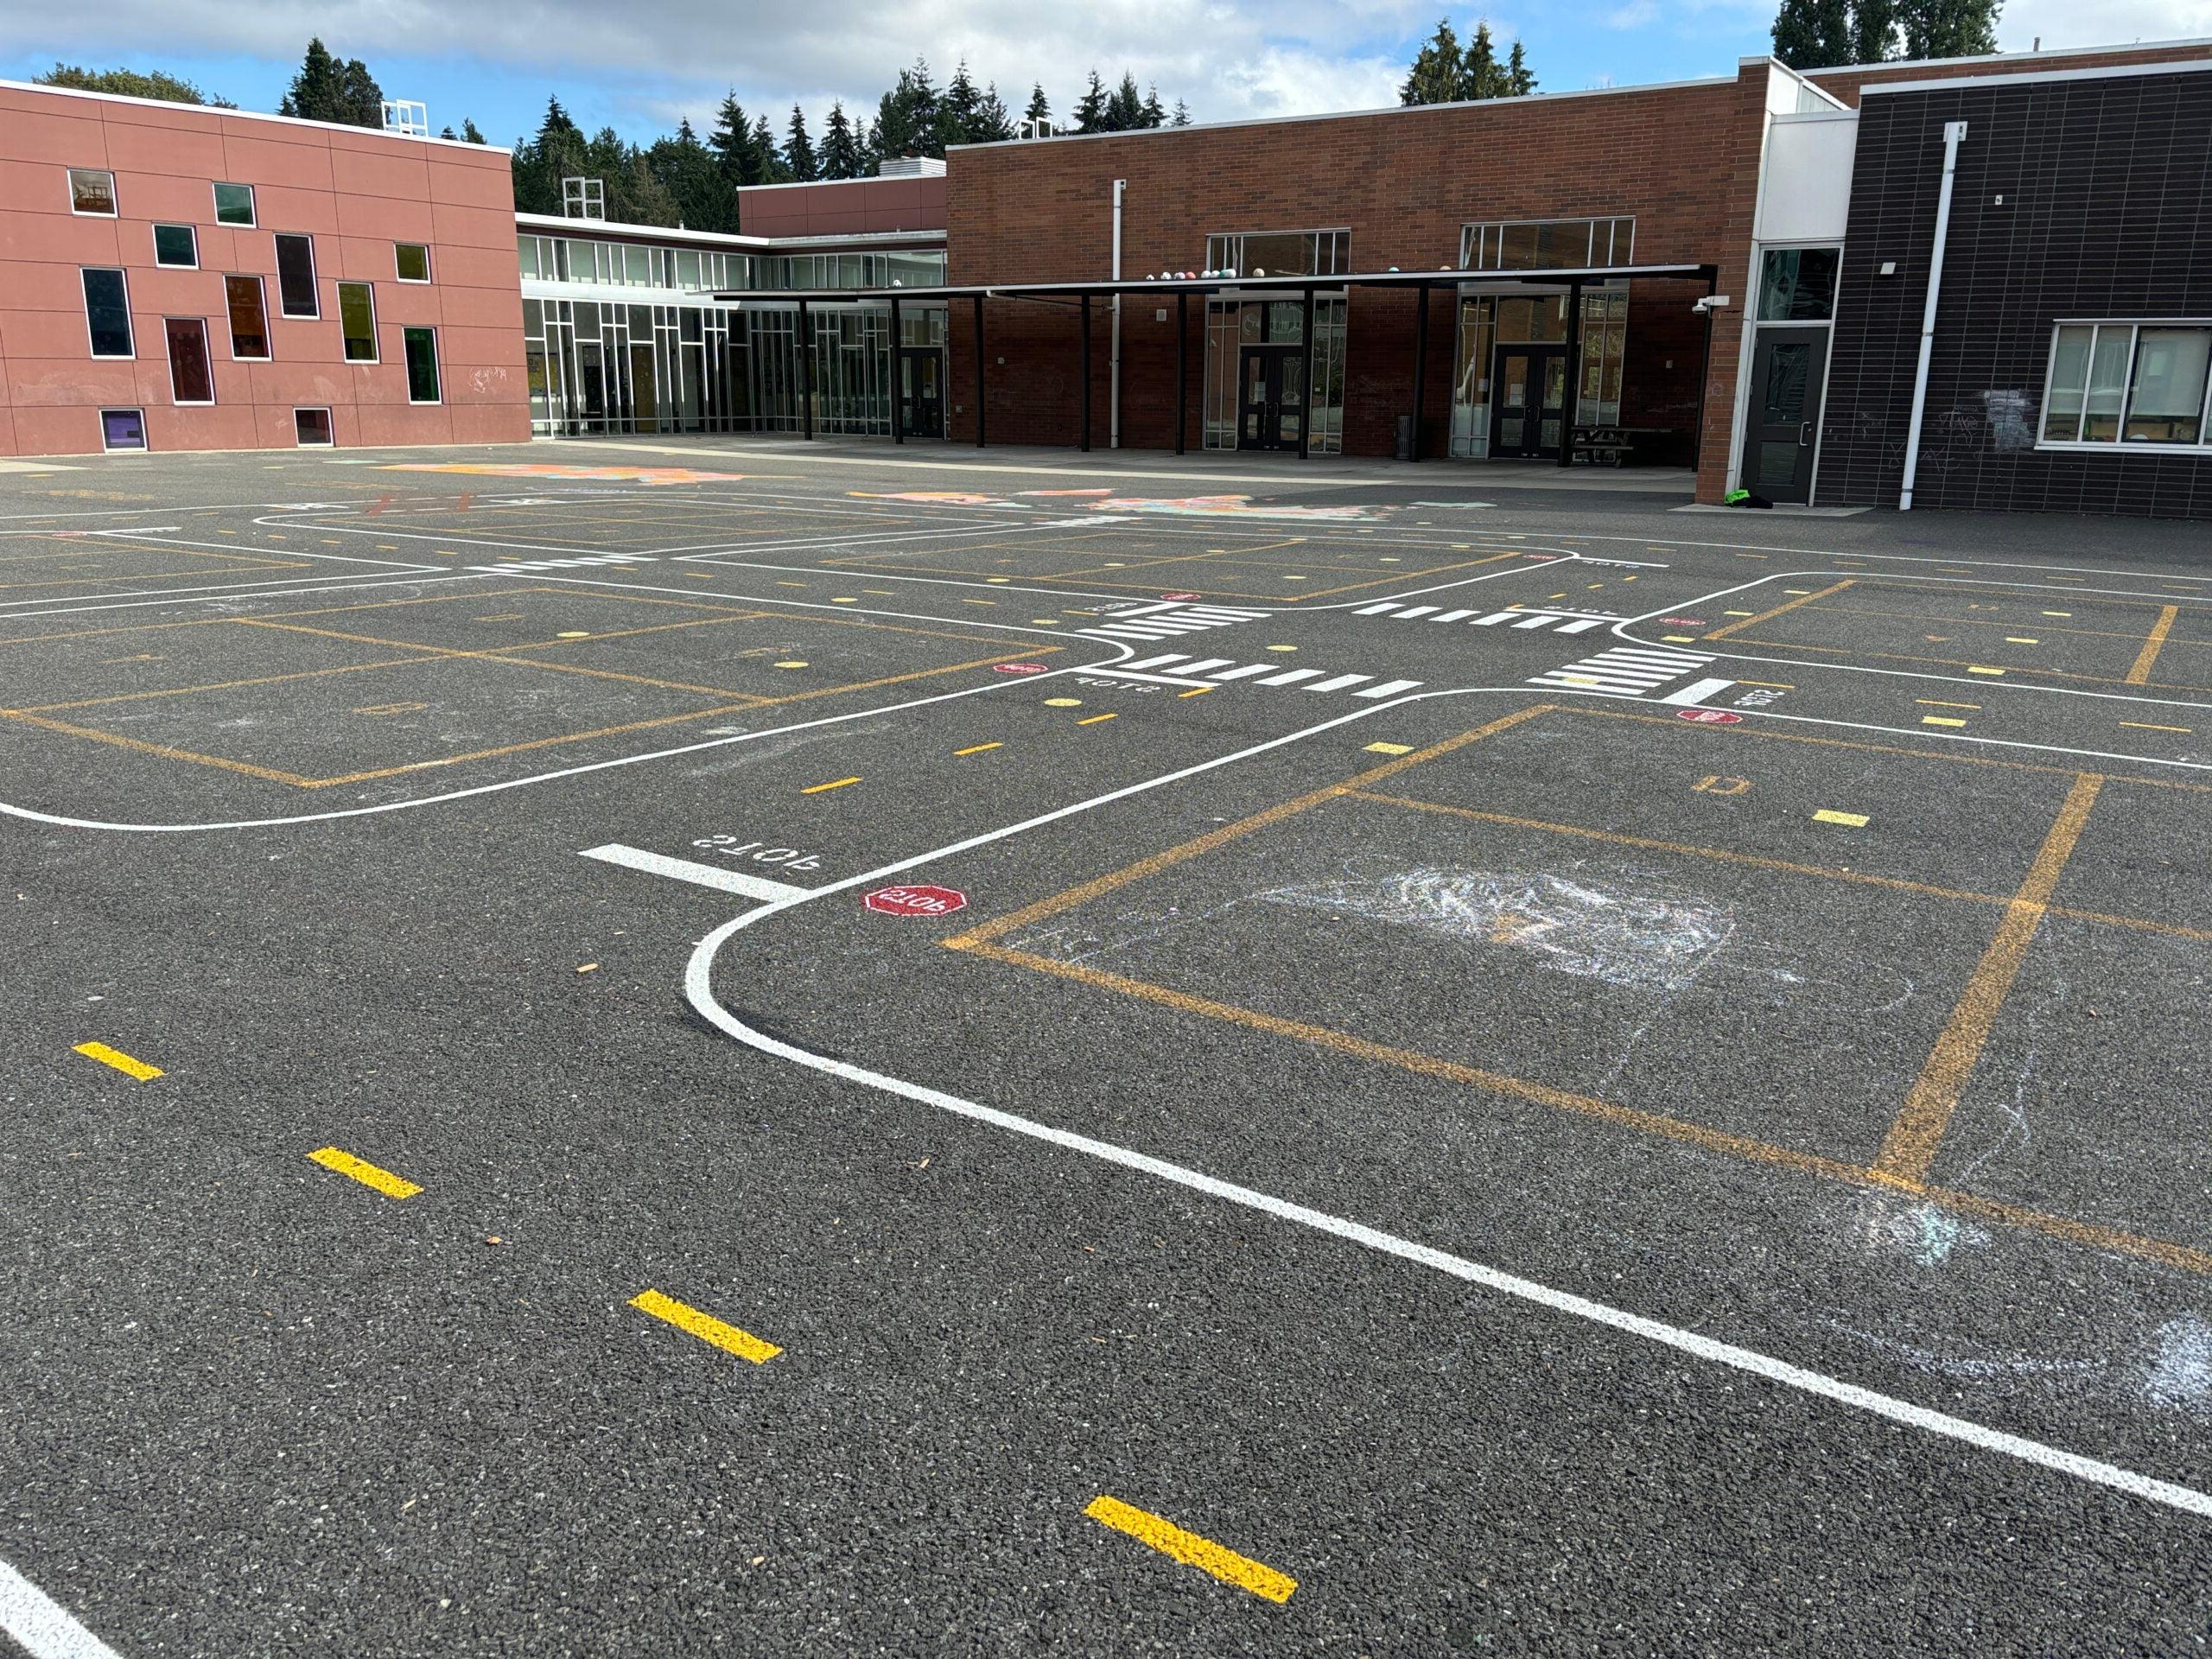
column 1090, row 108
column 1949, row 28
column 1182, row 114
column 448, row 133
column 1153, row 114
column 556, row 119
column 688, row 170
column 768, row 162
column 959, row 110
column 1437, row 70
column 798, row 149
column 906, row 118
column 1125, row 109
column 841, row 148
column 1480, row 73
column 329, row 90
column 1037, row 109
column 1519, row 81
column 733, row 145
column 993, row 124
column 470, row 133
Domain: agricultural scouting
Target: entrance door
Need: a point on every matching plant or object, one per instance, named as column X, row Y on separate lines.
column 1528, row 407
column 1272, row 398
column 644, row 389
column 921, row 393
column 1786, row 374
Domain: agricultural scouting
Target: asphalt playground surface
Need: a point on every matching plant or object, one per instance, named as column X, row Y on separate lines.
column 663, row 1048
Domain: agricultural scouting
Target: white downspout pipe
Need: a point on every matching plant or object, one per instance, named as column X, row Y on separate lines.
column 1953, row 132
column 1113, row 354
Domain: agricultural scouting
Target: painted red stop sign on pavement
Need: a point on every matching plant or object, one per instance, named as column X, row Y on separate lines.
column 1018, row 668
column 1178, row 595
column 1708, row 716
column 917, row 901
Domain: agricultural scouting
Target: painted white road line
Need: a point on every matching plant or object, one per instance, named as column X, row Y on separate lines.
column 1450, row 616
column 1293, row 677
column 1582, row 625
column 1539, row 619
column 1388, row 689
column 704, row 875
column 1208, row 662
column 1413, row 611
column 1120, row 673
column 44, row 1628
column 1245, row 672
column 1494, row 619
column 1386, row 606
column 1337, row 683
column 1160, row 661
column 1698, row 691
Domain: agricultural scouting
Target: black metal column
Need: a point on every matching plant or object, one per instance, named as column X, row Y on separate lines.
column 1182, row 372
column 1420, row 366
column 806, row 370
column 898, row 404
column 1083, row 387
column 979, row 371
column 1574, row 376
column 1704, row 373
column 1306, row 397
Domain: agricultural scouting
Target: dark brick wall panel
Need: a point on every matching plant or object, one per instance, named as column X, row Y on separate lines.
column 2107, row 213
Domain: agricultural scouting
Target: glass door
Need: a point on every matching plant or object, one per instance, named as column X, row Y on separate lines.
column 1528, row 407
column 921, row 393
column 1787, row 370
column 1272, row 400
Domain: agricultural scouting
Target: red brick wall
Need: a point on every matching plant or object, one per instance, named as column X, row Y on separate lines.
column 354, row 191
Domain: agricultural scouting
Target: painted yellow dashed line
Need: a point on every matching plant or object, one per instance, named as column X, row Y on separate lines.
column 2144, row 726
column 1092, row 720
column 121, row 1061
column 1195, row 691
column 1941, row 719
column 2020, row 639
column 1389, row 748
column 1849, row 820
column 978, row 748
column 368, row 1174
column 816, row 789
column 1192, row 1549
column 1938, row 703
column 705, row 1327
column 1976, row 668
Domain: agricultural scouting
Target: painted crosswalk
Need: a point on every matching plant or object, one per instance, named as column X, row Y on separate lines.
column 1153, row 623
column 524, row 567
column 1476, row 617
column 1636, row 671
column 1179, row 667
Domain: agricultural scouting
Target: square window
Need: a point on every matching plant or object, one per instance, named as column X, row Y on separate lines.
column 312, row 428
column 412, row 260
column 249, row 318
column 177, row 245
column 107, row 313
column 192, row 377
column 234, row 204
column 2165, row 394
column 295, row 276
column 122, row 429
column 421, row 346
column 357, row 321
column 91, row 190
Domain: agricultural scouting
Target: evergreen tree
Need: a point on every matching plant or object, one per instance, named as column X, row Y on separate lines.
column 327, row 89
column 556, row 119
column 1950, row 29
column 470, row 134
column 768, row 161
column 960, row 112
column 448, row 132
column 1437, row 72
column 689, row 171
column 1090, row 108
column 130, row 83
column 1125, row 108
column 993, row 124
column 1519, row 81
column 556, row 152
column 1481, row 75
column 1873, row 31
column 1153, row 115
column 841, row 147
column 1813, row 33
column 1182, row 114
column 732, row 143
column 798, row 149
column 906, row 118
column 1037, row 109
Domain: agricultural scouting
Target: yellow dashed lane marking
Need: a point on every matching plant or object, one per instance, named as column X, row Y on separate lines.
column 2144, row 725
column 121, row 1061
column 978, row 748
column 1092, row 720
column 1941, row 719
column 1852, row 820
column 705, row 1327
column 1389, row 748
column 816, row 789
column 368, row 1174
column 1977, row 669
column 1191, row 1548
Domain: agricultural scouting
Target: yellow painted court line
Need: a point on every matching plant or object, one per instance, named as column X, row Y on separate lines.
column 1852, row 820
column 368, row 1174
column 2020, row 639
column 2141, row 674
column 1092, row 720
column 705, row 1327
column 1803, row 597
column 1938, row 703
column 1778, row 685
column 2144, row 725
column 1189, row 1547
column 1976, row 668
column 2058, row 613
column 1679, row 638
column 1941, row 719
column 1196, row 691
column 1908, row 1150
column 1389, row 748
column 816, row 789
column 1739, row 613
column 121, row 1061
column 979, row 749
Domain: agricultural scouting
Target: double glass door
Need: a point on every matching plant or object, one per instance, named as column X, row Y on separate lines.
column 1528, row 401
column 921, row 393
column 1272, row 414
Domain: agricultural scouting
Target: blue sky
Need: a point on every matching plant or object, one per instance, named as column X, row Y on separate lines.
column 637, row 66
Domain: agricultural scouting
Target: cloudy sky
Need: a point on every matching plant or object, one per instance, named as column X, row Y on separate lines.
column 638, row 65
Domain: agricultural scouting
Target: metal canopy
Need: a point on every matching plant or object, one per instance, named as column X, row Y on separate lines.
column 1585, row 275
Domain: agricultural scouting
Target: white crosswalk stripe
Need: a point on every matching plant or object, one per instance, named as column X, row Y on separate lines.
column 1632, row 671
column 1178, row 668
column 521, row 567
column 1556, row 621
column 1160, row 620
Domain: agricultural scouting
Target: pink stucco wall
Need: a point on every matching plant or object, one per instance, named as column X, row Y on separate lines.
column 355, row 192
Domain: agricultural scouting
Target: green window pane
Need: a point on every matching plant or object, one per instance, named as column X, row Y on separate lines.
column 421, row 365
column 357, row 321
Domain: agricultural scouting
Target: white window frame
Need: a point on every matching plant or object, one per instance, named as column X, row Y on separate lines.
column 191, row 230
column 206, row 351
column 2120, row 444
column 252, row 204
column 261, row 288
column 130, row 321
column 322, row 409
column 115, row 210
column 429, row 271
column 376, row 352
column 315, row 279
column 143, row 446
column 438, row 365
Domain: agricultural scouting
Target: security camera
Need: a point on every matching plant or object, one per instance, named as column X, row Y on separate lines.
column 1710, row 303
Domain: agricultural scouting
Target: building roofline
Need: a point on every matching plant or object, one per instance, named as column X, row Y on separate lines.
column 174, row 105
column 2100, row 71
column 554, row 224
column 2005, row 57
column 816, row 184
column 1448, row 276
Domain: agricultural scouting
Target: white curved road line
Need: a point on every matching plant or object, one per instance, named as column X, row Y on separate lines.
column 698, row 988
column 42, row 1625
